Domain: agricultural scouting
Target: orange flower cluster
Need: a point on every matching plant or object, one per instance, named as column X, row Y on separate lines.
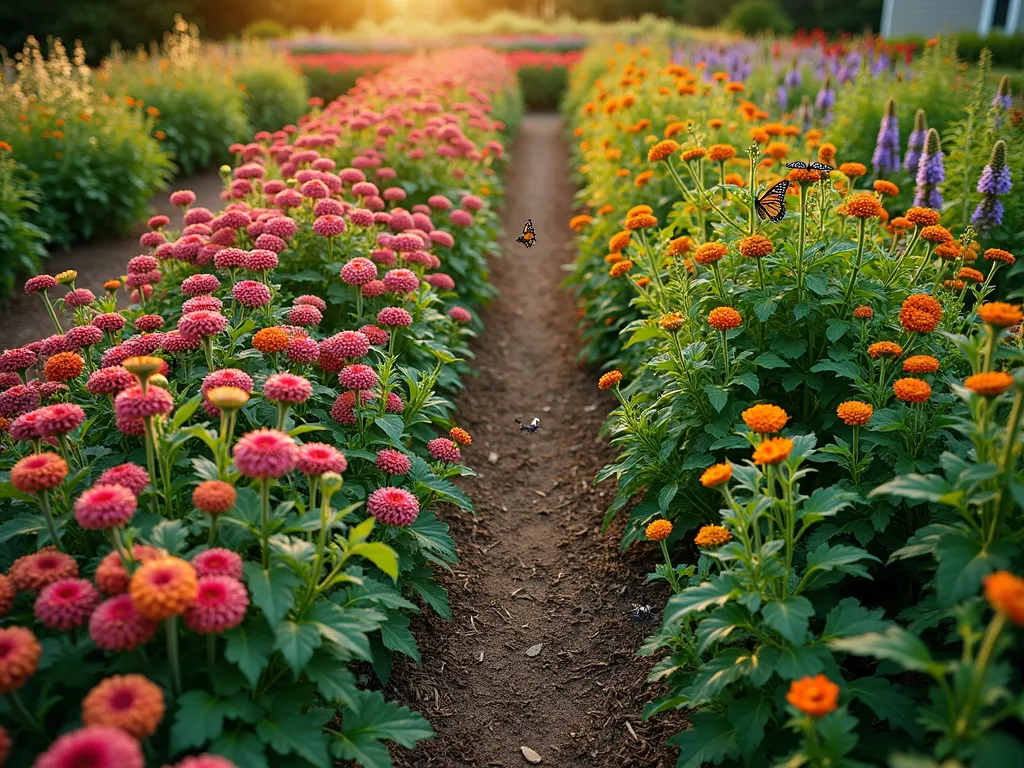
column 711, row 536
column 609, row 380
column 693, row 153
column 620, row 268
column 163, row 588
column 709, row 253
column 724, row 318
column 863, row 312
column 716, row 474
column 1005, row 593
column 989, row 384
column 460, row 436
column 773, row 451
column 673, row 321
column 756, row 246
column 662, row 150
column 883, row 187
column 920, row 313
column 765, row 419
column 814, row 696
column 911, row 390
column 968, row 273
column 577, row 223
column 21, row 657
column 680, row 246
column 863, row 205
column 129, row 702
column 920, row 364
column 999, row 314
column 721, row 152
column 922, row 217
column 63, row 366
column 998, row 254
column 885, row 349
column 854, row 413
column 619, row 241
column 641, row 221
column 270, row 340
column 658, row 530
column 936, row 234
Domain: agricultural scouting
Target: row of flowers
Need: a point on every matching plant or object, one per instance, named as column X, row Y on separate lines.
column 815, row 388
column 223, row 472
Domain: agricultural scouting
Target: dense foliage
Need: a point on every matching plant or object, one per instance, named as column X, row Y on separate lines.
column 220, row 478
column 22, row 244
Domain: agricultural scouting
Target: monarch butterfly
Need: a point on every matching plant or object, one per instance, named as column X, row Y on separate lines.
column 772, row 204
column 529, row 237
column 815, row 166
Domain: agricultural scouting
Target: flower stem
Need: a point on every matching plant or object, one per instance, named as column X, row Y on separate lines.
column 208, row 351
column 671, row 572
column 725, row 356
column 173, row 659
column 801, row 247
column 44, row 503
column 264, row 519
column 52, row 313
column 856, row 269
column 151, row 461
column 27, row 716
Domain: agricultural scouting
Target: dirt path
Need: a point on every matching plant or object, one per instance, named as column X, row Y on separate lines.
column 534, row 568
column 24, row 318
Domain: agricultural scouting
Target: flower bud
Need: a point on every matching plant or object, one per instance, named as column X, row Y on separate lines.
column 227, row 398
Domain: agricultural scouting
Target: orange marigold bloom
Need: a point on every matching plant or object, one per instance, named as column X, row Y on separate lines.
column 968, row 273
column 920, row 364
column 693, row 153
column 712, row 536
column 674, row 129
column 63, row 366
column 658, row 530
column 605, row 209
column 777, row 150
column 901, row 223
column 827, row 154
column 863, row 312
column 214, row 497
column 709, row 253
column 735, row 179
column 760, row 135
column 854, row 413
column 923, row 217
column 716, row 474
column 619, row 241
column 912, row 390
column 735, row 87
column 724, row 318
column 949, row 251
column 460, row 436
column 989, row 384
column 577, row 223
column 636, row 210
column 863, row 205
column 620, row 268
column 998, row 254
column 954, row 285
column 765, row 419
column 643, row 282
column 673, row 321
column 721, row 152
column 19, row 657
column 804, row 175
column 129, row 702
column 609, row 380
column 773, row 451
column 853, row 170
column 885, row 349
column 920, row 313
column 883, row 187
column 1000, row 314
column 755, row 246
column 111, row 285
column 1005, row 593
column 613, row 258
column 680, row 246
column 641, row 181
column 641, row 221
column 662, row 150
column 715, row 123
column 814, row 696
column 270, row 340
column 163, row 588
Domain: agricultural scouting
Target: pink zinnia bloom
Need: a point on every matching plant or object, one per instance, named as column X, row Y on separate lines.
column 373, row 289
column 105, row 506
column 315, row 189
column 305, row 315
column 26, row 427
column 260, row 260
column 17, row 400
column 394, row 317
column 251, row 293
column 229, row 258
column 361, row 217
column 116, row 626
column 317, row 458
column 8, row 380
column 265, row 453
column 394, row 194
column 198, row 216
column 66, row 604
column 183, row 197
column 202, row 323
column 149, row 323
column 352, row 175
column 365, row 189
column 206, row 761
column 439, row 202
column 287, row 388
column 472, row 202
column 131, row 476
column 384, row 256
column 405, row 243
column 175, row 343
column 272, row 243
column 358, row 271
column 281, row 226
column 393, row 462
column 133, row 404
column 393, row 506
column 109, row 381
column 109, row 321
column 158, row 222
column 401, row 281
column 329, row 225
column 327, row 207
column 201, row 304
column 198, row 285
column 218, row 562
column 55, row 344
column 220, row 605
column 80, row 297
column 376, row 336
column 461, row 218
column 142, row 264
column 441, row 281
column 443, row 449
column 343, row 411
column 347, row 344
column 95, row 746
column 12, row 360
column 130, row 426
column 393, row 403
column 313, row 301
column 358, row 376
column 58, row 419
column 302, row 350
column 39, row 283
column 460, row 315
column 152, row 239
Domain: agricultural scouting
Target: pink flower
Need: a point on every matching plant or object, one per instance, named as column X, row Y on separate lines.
column 358, row 271
column 152, row 239
column 317, row 458
column 218, row 562
column 358, row 376
column 315, row 189
column 183, row 197
column 142, row 264
column 95, row 746
column 375, row 335
column 198, row 215
column 130, row 426
column 249, row 293
column 384, row 256
column 8, row 380
column 39, row 283
column 327, row 207
column 441, row 281
column 206, row 761
column 220, row 604
column 201, row 304
column 109, row 381
column 343, row 410
column 373, row 289
column 460, row 315
column 26, row 427
column 313, row 301
column 59, row 419
column 265, row 453
column 82, row 336
column 365, row 189
column 361, row 217
column 131, row 476
column 108, row 321
column 116, row 626
column 158, row 222
column 305, row 315
column 472, row 202
column 302, row 350
column 66, row 604
column 148, row 323
column 287, row 388
column 401, row 281
column 393, row 506
column 393, row 462
column 17, row 400
column 405, row 243
column 227, row 377
column 80, row 297
column 229, row 258
column 347, row 344
column 443, row 449
column 439, row 202
column 199, row 285
column 281, row 226
column 329, row 225
column 393, row 403
column 394, row 317
column 352, row 175
column 461, row 218
column 260, row 260
column 133, row 404
column 202, row 323
column 19, row 359
column 105, row 506
column 272, row 243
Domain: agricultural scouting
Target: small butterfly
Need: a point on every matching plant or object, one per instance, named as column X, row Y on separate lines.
column 532, row 427
column 772, row 204
column 643, row 613
column 529, row 237
column 815, row 166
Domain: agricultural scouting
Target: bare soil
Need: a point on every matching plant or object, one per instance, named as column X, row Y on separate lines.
column 24, row 319
column 534, row 567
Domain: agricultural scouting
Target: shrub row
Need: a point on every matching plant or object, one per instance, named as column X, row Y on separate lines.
column 827, row 396
column 219, row 502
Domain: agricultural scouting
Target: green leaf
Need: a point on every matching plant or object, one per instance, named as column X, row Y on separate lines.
column 392, row 426
column 962, row 566
column 895, row 644
column 717, row 396
column 381, row 555
column 288, row 729
column 748, row 380
column 665, row 496
column 721, row 623
column 250, row 647
column 888, row 702
column 184, row 413
column 849, row 618
column 841, row 557
column 749, row 715
column 701, row 597
column 242, row 747
column 770, row 360
column 21, row 525
column 346, row 628
column 334, row 681
column 396, row 636
column 846, row 369
column 199, row 718
column 170, row 535
column 790, row 618
column 272, row 591
column 709, row 739
column 643, row 333
column 712, row 678
column 433, row 594
column 364, row 728
column 922, row 487
column 296, row 642
column 303, row 429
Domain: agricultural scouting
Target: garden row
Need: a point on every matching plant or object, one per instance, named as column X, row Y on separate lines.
column 220, row 477
column 818, row 392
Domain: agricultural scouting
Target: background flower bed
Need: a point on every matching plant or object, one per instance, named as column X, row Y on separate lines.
column 313, row 587
column 815, row 398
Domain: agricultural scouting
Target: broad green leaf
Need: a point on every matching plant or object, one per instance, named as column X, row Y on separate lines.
column 242, row 747
column 381, row 555
column 717, row 396
column 334, row 681
column 709, row 739
column 184, row 413
column 296, row 642
column 198, row 719
column 888, row 702
column 895, row 644
column 392, row 426
column 396, row 636
column 841, row 557
column 714, row 676
column 721, row 623
column 272, row 591
column 923, row 487
column 749, row 715
column 289, row 729
column 20, row 526
column 963, row 564
column 849, row 617
column 790, row 618
column 346, row 628
column 380, row 719
column 770, row 360
column 665, row 496
column 250, row 647
column 700, row 598
column 170, row 535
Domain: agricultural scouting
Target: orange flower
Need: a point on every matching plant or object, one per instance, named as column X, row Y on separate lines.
column 998, row 254
column 643, row 282
column 270, row 340
column 658, row 530
column 620, row 268
column 214, row 496
column 863, row 312
column 460, row 436
column 967, row 273
column 613, row 258
column 920, row 313
column 605, row 209
column 920, row 364
column 709, row 253
column 680, row 246
column 863, row 205
column 735, row 179
column 912, row 390
column 693, row 153
column 641, row 221
column 715, row 123
column 765, row 419
column 716, row 474
column 721, row 152
column 804, row 175
column 854, row 413
column 734, row 87
column 900, row 223
column 773, row 451
column 827, row 154
column 577, row 223
column 641, row 181
column 814, row 696
column 852, row 170
column 760, row 135
column 673, row 321
column 989, row 384
column 129, row 702
column 724, row 318
column 756, row 246
column 636, row 210
column 711, row 536
column 674, row 129
column 63, row 366
column 885, row 349
column 609, row 380
column 949, row 251
column 883, row 187
column 923, row 217
column 163, row 588
column 19, row 657
column 111, row 285
column 999, row 314
column 662, row 150
column 1005, row 593
column 777, row 150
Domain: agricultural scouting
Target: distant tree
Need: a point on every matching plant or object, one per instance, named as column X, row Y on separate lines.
column 753, row 16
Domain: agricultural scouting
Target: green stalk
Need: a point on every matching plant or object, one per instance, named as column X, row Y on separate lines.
column 173, row 657
column 265, row 520
column 44, row 503
column 856, row 269
column 802, row 246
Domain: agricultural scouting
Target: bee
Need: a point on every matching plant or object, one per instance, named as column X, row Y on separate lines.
column 532, row 427
column 643, row 613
